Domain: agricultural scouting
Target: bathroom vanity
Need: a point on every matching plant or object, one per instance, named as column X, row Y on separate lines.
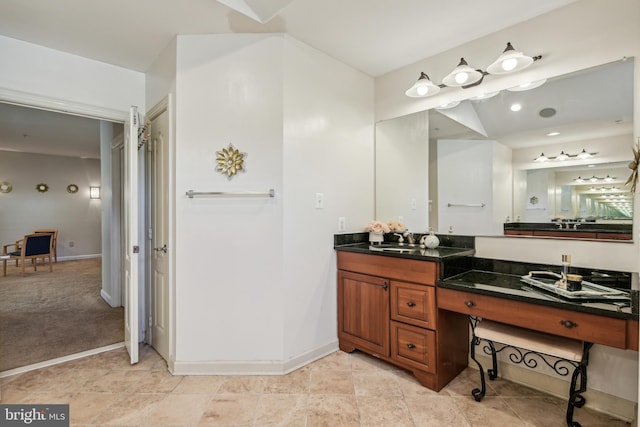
column 410, row 307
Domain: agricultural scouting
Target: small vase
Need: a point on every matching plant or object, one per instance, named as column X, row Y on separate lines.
column 431, row 241
column 375, row 238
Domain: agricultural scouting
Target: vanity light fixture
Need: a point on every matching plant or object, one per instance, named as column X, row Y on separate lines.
column 595, row 179
column 465, row 76
column 565, row 156
column 527, row 86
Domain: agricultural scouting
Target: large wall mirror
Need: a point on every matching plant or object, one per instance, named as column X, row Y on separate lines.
column 589, row 112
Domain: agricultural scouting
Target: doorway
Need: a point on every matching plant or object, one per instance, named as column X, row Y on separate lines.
column 51, row 147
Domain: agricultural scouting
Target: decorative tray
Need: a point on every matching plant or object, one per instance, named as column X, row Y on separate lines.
column 590, row 291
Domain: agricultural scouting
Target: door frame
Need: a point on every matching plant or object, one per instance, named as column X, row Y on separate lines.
column 59, row 105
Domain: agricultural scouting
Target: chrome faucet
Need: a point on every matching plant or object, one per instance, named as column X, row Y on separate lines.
column 410, row 238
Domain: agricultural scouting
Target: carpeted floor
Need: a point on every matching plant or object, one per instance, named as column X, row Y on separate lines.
column 47, row 315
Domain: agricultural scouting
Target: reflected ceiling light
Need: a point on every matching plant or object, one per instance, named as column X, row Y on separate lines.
column 448, row 105
column 423, row 87
column 510, row 61
column 94, row 192
column 553, row 134
column 465, row 76
column 566, row 156
column 527, row 86
column 579, row 179
column 541, row 158
column 584, row 155
column 515, row 107
column 485, row 96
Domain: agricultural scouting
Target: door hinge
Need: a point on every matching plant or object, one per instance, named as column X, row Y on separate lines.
column 136, row 249
column 150, row 234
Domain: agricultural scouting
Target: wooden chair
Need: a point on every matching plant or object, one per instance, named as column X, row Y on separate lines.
column 32, row 246
column 54, row 242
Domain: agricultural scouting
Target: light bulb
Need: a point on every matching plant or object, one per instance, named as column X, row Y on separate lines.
column 509, row 64
column 462, row 77
column 422, row 90
column 515, row 107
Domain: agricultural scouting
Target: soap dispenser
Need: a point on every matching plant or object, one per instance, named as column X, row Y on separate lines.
column 430, row 241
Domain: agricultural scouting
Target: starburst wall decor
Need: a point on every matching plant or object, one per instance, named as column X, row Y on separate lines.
column 230, row 161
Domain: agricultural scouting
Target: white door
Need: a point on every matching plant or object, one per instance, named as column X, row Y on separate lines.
column 160, row 234
column 131, row 252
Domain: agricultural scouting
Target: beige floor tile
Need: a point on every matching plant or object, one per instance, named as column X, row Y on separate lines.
column 436, row 411
column 230, row 410
column 281, row 410
column 332, row 411
column 409, row 385
column 53, row 397
column 539, row 411
column 331, row 382
column 338, row 360
column 177, row 410
column 378, row 411
column 490, row 412
column 510, row 389
column 114, row 382
column 154, row 382
column 376, row 383
column 364, row 362
column 199, row 385
column 84, row 407
column 131, row 410
column 463, row 384
column 293, row 383
column 243, row 384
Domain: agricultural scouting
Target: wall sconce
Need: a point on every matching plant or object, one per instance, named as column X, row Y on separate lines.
column 94, row 192
column 464, row 76
column 583, row 155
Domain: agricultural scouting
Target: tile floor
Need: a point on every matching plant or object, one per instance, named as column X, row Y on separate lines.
column 339, row 390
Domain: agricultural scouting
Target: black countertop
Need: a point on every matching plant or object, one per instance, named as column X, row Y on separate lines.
column 406, row 251
column 568, row 227
column 510, row 286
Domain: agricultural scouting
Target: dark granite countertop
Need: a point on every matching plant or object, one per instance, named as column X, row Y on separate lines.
column 406, row 251
column 568, row 227
column 510, row 286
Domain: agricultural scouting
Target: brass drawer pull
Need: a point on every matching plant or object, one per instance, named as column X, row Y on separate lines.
column 568, row 324
column 411, row 346
column 411, row 304
column 469, row 304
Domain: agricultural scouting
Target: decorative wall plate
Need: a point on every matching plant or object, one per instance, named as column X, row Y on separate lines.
column 72, row 188
column 42, row 188
column 230, row 161
column 5, row 187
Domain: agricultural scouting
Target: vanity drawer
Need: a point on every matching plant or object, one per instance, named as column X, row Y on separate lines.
column 413, row 346
column 567, row 323
column 414, row 304
column 409, row 270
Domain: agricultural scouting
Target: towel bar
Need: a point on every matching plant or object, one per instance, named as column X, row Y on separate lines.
column 191, row 194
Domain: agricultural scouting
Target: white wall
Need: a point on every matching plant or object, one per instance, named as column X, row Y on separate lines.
column 328, row 149
column 49, row 73
column 255, row 277
column 75, row 216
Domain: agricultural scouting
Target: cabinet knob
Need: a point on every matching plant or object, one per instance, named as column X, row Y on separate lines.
column 411, row 346
column 469, row 303
column 385, row 286
column 411, row 304
column 568, row 324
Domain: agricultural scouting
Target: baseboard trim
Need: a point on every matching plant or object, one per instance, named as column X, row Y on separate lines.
column 258, row 367
column 77, row 257
column 602, row 402
column 59, row 360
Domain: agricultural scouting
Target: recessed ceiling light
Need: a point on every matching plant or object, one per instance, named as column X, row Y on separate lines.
column 553, row 133
column 515, row 107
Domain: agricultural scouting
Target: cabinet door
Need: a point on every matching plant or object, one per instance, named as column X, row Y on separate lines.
column 363, row 311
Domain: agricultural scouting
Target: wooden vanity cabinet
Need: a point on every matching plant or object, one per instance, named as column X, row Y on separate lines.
column 387, row 308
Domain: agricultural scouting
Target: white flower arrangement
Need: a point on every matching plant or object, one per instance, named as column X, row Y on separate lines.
column 377, row 227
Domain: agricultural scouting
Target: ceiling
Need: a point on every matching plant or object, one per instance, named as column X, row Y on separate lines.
column 374, row 36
